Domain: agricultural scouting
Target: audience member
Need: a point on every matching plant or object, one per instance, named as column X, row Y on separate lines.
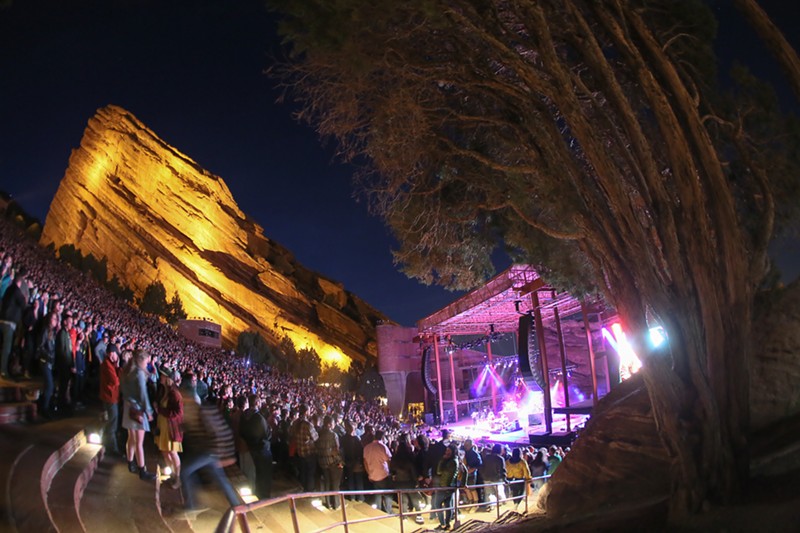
column 446, row 476
column 330, row 459
column 304, row 436
column 494, row 471
column 353, row 452
column 109, row 395
column 257, row 435
column 517, row 470
column 137, row 413
column 169, row 408
column 376, row 462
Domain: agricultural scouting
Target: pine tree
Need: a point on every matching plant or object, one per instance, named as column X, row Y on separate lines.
column 175, row 311
column 154, row 300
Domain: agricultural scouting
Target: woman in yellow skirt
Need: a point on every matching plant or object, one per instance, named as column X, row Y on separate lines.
column 169, row 406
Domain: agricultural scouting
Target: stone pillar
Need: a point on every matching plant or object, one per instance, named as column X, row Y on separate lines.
column 398, row 357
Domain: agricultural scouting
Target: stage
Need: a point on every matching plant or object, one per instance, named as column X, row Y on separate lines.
column 483, row 434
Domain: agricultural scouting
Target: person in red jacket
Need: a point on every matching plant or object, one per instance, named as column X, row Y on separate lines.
column 109, row 395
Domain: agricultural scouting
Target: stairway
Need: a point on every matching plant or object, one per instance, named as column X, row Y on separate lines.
column 17, row 402
column 119, row 501
column 53, row 480
column 45, row 470
column 277, row 518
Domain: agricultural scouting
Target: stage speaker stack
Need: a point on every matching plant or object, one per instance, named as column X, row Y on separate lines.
column 530, row 356
column 427, row 370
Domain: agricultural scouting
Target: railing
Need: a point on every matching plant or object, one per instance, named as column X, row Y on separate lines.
column 238, row 513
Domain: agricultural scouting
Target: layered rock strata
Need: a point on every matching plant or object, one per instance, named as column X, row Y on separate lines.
column 155, row 214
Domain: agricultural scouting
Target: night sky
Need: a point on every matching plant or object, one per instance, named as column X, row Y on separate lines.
column 192, row 71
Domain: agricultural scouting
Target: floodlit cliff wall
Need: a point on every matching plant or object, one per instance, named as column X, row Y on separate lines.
column 155, row 214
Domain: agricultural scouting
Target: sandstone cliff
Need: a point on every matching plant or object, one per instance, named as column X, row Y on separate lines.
column 155, row 214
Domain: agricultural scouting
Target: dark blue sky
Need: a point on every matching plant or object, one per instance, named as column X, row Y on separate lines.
column 192, row 71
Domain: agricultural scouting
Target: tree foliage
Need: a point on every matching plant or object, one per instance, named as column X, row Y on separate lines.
column 70, row 255
column 252, row 345
column 98, row 269
column 175, row 310
column 303, row 363
column 332, row 374
column 591, row 140
column 154, row 299
column 371, row 384
column 119, row 290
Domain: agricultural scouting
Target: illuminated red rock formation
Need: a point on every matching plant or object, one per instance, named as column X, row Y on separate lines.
column 155, row 214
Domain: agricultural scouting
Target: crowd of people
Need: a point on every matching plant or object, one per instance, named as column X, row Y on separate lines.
column 207, row 407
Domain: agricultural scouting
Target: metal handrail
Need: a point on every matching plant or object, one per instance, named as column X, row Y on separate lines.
column 239, row 512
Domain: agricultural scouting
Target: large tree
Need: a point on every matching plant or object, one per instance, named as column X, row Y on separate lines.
column 774, row 39
column 589, row 138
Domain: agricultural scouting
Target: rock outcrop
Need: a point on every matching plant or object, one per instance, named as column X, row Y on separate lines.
column 155, row 214
column 618, row 457
column 775, row 373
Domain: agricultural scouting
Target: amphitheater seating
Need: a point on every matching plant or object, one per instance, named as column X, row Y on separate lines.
column 53, row 480
column 17, row 403
column 47, row 468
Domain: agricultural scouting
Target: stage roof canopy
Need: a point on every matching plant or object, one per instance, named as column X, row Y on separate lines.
column 497, row 305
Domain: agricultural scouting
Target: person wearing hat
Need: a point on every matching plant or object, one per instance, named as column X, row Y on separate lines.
column 169, row 407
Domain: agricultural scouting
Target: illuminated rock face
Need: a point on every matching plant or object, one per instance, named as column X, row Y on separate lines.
column 155, row 214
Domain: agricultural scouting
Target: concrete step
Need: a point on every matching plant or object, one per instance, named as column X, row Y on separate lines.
column 66, row 490
column 31, row 480
column 12, row 451
column 10, row 394
column 170, row 502
column 33, row 455
column 116, row 500
column 27, row 502
column 17, row 412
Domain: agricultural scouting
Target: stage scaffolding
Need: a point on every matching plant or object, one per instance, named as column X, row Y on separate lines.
column 496, row 308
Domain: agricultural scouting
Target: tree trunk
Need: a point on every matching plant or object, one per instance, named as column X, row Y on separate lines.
column 774, row 39
column 700, row 291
